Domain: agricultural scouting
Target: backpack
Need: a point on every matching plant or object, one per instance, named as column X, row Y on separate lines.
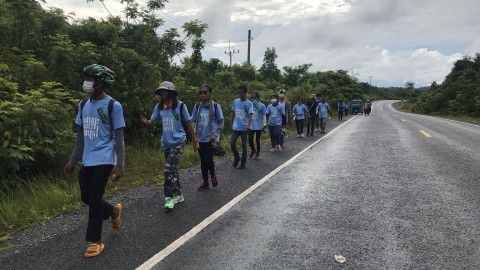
column 110, row 110
column 184, row 125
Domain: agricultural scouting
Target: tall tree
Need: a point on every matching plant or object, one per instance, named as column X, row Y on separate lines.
column 269, row 69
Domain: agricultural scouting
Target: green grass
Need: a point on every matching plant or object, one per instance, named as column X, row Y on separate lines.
column 407, row 106
column 47, row 196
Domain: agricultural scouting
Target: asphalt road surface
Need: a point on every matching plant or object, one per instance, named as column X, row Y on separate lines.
column 387, row 191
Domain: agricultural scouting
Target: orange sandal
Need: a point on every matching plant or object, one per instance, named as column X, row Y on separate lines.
column 117, row 223
column 93, row 250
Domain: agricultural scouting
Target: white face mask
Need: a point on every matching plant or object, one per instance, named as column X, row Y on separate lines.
column 88, row 87
column 273, row 100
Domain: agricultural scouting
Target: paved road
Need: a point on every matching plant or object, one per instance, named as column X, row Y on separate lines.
column 374, row 190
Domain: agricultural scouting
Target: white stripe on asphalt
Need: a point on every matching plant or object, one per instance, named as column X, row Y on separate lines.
column 202, row 225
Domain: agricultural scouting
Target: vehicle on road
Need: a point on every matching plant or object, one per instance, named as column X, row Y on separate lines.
column 356, row 106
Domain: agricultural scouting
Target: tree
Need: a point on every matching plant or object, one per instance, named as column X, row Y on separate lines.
column 269, row 70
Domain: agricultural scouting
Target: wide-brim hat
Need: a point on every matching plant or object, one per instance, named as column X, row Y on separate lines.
column 166, row 85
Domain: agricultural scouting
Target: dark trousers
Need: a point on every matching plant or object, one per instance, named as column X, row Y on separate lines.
column 258, row 135
column 299, row 124
column 206, row 160
column 92, row 181
column 274, row 135
column 310, row 125
column 233, row 145
column 340, row 115
column 317, row 122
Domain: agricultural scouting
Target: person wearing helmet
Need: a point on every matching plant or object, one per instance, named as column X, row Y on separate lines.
column 101, row 152
column 176, row 122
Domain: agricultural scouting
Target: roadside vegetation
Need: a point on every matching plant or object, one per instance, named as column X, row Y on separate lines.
column 43, row 52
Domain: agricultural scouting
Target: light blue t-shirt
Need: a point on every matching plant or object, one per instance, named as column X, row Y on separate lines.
column 323, row 109
column 275, row 114
column 203, row 119
column 98, row 148
column 299, row 111
column 259, row 110
column 241, row 109
column 173, row 133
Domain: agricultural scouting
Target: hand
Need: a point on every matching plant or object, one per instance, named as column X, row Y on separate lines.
column 68, row 170
column 144, row 120
column 247, row 126
column 196, row 145
column 213, row 138
column 116, row 174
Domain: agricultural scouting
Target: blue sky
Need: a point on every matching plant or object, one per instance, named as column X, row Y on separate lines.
column 389, row 41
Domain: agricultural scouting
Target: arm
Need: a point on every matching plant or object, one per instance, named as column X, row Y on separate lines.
column 196, row 145
column 249, row 120
column 77, row 152
column 118, row 170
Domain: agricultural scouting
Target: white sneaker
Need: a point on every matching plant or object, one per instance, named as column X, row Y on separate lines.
column 178, row 198
column 298, row 136
column 301, row 135
column 273, row 150
column 279, row 148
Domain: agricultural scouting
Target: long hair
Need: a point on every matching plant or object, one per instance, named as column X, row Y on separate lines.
column 173, row 96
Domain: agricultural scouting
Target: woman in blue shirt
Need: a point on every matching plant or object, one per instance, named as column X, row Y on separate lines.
column 172, row 112
column 257, row 125
column 208, row 122
column 276, row 120
column 299, row 111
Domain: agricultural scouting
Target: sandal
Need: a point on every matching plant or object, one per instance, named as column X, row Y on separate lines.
column 117, row 223
column 93, row 250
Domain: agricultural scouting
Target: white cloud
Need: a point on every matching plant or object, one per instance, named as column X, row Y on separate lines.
column 392, row 41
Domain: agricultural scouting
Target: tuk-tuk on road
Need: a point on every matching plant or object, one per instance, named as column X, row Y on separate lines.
column 356, row 106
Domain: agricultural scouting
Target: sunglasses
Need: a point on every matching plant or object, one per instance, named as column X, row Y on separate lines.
column 203, row 92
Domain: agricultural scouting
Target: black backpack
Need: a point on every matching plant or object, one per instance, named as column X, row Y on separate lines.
column 110, row 116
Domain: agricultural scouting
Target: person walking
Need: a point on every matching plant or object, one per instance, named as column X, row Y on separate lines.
column 340, row 109
column 312, row 114
column 176, row 122
column 346, row 109
column 241, row 119
column 299, row 111
column 323, row 108
column 317, row 120
column 207, row 117
column 286, row 105
column 257, row 126
column 100, row 147
column 276, row 121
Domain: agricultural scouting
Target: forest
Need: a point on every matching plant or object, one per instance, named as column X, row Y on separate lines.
column 43, row 52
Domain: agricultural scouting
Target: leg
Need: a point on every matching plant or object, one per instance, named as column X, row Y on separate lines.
column 251, row 134
column 233, row 146
column 271, row 130
column 172, row 181
column 244, row 135
column 258, row 137
column 92, row 185
column 204, row 160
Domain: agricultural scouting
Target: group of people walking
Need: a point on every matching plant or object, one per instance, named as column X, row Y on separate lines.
column 100, row 144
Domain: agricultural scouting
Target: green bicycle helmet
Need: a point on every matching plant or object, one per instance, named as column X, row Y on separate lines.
column 99, row 72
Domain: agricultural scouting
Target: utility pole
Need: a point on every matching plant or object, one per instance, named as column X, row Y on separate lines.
column 249, row 38
column 370, row 79
column 230, row 52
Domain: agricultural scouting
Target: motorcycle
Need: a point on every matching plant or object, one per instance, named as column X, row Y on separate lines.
column 367, row 109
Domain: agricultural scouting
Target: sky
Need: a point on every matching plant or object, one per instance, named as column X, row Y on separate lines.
column 382, row 42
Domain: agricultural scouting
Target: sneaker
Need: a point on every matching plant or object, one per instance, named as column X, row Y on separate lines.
column 203, row 186
column 242, row 166
column 252, row 153
column 298, row 136
column 301, row 135
column 257, row 156
column 279, row 147
column 273, row 150
column 178, row 198
column 214, row 181
column 235, row 163
column 169, row 203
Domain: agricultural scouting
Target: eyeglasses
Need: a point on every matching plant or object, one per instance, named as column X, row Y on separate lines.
column 203, row 92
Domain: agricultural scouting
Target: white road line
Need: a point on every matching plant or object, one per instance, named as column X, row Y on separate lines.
column 202, row 225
